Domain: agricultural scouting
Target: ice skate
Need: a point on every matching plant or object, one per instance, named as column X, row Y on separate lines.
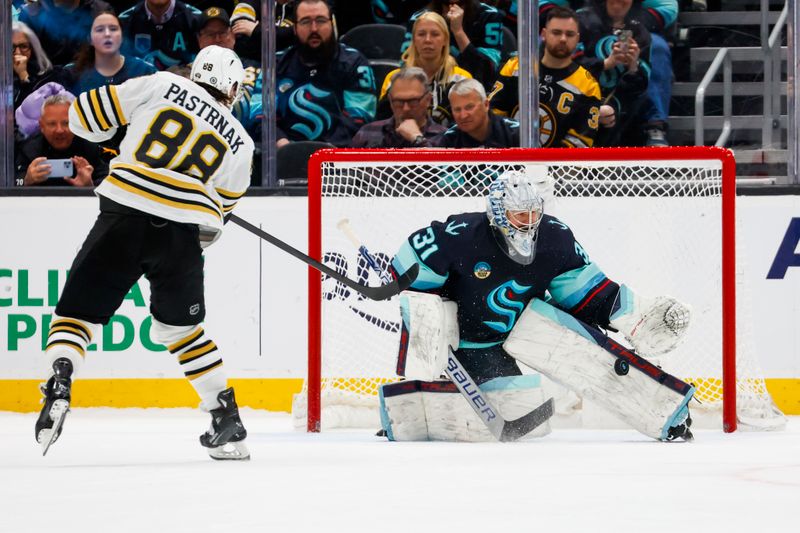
column 56, row 400
column 225, row 438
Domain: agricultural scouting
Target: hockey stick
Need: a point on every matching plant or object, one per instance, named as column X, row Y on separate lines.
column 502, row 429
column 384, row 292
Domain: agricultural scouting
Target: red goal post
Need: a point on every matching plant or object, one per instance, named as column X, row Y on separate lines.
column 384, row 188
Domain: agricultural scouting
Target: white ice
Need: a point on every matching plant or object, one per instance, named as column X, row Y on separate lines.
column 138, row 470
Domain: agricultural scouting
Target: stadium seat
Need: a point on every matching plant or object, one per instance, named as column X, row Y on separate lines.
column 509, row 44
column 380, row 68
column 376, row 41
column 292, row 161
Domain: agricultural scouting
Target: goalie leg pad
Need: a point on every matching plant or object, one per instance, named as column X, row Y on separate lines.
column 429, row 327
column 585, row 360
column 416, row 410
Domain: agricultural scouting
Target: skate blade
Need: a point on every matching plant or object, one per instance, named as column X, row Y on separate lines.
column 232, row 451
column 58, row 412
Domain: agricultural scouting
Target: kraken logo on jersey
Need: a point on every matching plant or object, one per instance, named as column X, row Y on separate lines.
column 482, row 270
column 302, row 103
column 500, row 301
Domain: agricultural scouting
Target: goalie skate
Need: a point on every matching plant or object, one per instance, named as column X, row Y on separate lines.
column 56, row 401
column 225, row 438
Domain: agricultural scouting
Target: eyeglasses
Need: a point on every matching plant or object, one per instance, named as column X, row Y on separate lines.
column 308, row 21
column 559, row 33
column 411, row 102
column 23, row 47
column 215, row 34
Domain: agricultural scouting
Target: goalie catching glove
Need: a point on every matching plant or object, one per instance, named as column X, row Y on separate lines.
column 652, row 326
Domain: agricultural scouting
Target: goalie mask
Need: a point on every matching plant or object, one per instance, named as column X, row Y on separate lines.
column 515, row 208
column 220, row 68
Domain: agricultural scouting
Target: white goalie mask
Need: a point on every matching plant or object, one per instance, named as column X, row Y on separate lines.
column 220, row 68
column 512, row 194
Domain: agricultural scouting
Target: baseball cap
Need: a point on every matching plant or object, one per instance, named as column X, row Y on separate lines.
column 214, row 13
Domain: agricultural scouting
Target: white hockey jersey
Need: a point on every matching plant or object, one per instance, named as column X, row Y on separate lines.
column 184, row 157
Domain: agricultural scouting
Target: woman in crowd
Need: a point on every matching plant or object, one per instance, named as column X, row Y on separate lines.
column 100, row 62
column 430, row 50
column 32, row 67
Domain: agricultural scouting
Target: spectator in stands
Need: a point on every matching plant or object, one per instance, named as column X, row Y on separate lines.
column 32, row 68
column 161, row 32
column 508, row 8
column 430, row 51
column 658, row 17
column 214, row 27
column 26, row 116
column 62, row 25
column 99, row 62
column 410, row 125
column 395, row 11
column 475, row 126
column 56, row 141
column 476, row 36
column 247, row 27
column 569, row 96
column 614, row 49
column 325, row 90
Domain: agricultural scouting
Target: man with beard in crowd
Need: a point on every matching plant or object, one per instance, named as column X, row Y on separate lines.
column 569, row 96
column 325, row 90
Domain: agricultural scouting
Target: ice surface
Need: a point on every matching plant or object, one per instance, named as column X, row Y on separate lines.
column 144, row 471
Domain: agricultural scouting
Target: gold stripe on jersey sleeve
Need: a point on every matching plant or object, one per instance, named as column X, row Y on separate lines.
column 511, row 67
column 112, row 94
column 81, row 114
column 98, row 110
column 229, row 195
column 144, row 193
column 582, row 80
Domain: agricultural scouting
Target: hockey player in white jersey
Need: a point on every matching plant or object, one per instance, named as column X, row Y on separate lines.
column 184, row 163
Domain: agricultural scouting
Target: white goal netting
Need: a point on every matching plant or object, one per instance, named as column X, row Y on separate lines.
column 652, row 223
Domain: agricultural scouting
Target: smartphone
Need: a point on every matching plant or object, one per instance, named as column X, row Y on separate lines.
column 59, row 168
column 624, row 35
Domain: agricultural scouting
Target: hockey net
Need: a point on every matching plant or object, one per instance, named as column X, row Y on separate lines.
column 661, row 221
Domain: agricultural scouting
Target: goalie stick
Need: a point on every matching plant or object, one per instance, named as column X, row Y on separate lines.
column 384, row 292
column 502, row 429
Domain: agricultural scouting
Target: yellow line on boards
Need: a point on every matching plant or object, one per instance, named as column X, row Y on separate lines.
column 271, row 394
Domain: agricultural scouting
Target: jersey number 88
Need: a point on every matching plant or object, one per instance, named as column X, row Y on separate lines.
column 165, row 139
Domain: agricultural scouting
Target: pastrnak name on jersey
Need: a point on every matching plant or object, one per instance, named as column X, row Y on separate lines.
column 204, row 110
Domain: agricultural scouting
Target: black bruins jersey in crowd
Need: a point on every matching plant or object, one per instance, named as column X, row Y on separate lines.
column 461, row 259
column 162, row 45
column 327, row 103
column 569, row 103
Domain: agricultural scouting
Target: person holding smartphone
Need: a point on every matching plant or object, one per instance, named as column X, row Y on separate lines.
column 55, row 156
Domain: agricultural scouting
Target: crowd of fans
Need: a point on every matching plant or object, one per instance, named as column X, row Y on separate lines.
column 605, row 72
